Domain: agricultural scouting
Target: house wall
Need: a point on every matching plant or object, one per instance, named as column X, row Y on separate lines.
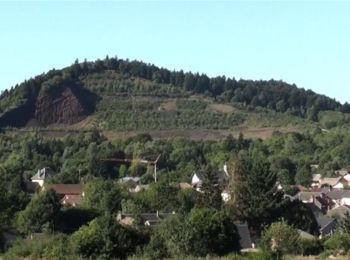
column 339, row 185
column 345, row 201
column 195, row 179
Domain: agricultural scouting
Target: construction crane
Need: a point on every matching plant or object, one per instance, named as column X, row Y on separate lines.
column 135, row 161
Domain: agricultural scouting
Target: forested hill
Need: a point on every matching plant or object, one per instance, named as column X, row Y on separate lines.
column 70, row 94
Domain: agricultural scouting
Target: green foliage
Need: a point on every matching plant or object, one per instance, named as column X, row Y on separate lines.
column 203, row 232
column 310, row 246
column 339, row 243
column 210, row 195
column 40, row 214
column 102, row 196
column 300, row 216
column 254, row 193
column 42, row 247
column 280, row 238
column 104, row 238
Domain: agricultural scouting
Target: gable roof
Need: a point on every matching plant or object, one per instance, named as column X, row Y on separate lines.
column 221, row 175
column 342, row 172
column 66, row 189
column 327, row 225
column 42, row 174
column 338, row 194
column 331, row 181
column 306, row 195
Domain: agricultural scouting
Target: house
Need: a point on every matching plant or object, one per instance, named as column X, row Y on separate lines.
column 339, row 197
column 307, row 196
column 198, row 177
column 69, row 194
column 345, row 173
column 327, row 225
column 323, row 202
column 335, row 182
column 42, row 175
column 147, row 219
column 316, row 180
column 245, row 239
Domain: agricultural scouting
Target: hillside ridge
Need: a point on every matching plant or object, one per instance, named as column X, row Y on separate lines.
column 69, row 95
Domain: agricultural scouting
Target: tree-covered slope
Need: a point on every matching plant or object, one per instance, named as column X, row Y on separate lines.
column 112, row 88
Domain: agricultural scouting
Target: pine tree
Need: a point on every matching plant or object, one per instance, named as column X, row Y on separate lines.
column 254, row 194
column 210, row 195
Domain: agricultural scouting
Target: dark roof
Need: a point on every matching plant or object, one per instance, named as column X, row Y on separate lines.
column 327, row 225
column 245, row 240
column 64, row 189
column 306, row 195
column 315, row 210
column 338, row 194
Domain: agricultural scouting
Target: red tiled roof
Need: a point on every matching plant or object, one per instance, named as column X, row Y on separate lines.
column 65, row 189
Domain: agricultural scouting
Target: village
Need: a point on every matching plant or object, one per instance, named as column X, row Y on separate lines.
column 328, row 198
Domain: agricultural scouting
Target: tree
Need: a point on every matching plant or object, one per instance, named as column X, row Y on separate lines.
column 40, row 214
column 202, row 232
column 102, row 196
column 280, row 238
column 104, row 238
column 254, row 194
column 210, row 195
column 300, row 216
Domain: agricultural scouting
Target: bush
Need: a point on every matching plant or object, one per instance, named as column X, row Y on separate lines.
column 280, row 238
column 338, row 243
column 310, row 246
column 42, row 247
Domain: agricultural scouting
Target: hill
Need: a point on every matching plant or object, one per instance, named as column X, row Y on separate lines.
column 122, row 95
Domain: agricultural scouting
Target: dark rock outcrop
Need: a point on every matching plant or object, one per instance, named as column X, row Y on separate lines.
column 65, row 105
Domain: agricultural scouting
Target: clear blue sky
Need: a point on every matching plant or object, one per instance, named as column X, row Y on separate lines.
column 301, row 42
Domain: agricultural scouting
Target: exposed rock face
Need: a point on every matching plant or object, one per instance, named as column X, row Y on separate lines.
column 64, row 108
column 67, row 105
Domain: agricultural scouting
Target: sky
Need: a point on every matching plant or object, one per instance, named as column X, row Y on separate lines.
column 301, row 42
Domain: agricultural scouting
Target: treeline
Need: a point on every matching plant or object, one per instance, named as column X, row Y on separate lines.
column 272, row 94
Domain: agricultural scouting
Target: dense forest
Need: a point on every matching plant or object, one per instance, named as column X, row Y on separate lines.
column 92, row 231
column 113, row 76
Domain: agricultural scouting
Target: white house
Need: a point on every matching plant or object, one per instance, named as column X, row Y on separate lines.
column 316, row 180
column 335, row 183
column 42, row 175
